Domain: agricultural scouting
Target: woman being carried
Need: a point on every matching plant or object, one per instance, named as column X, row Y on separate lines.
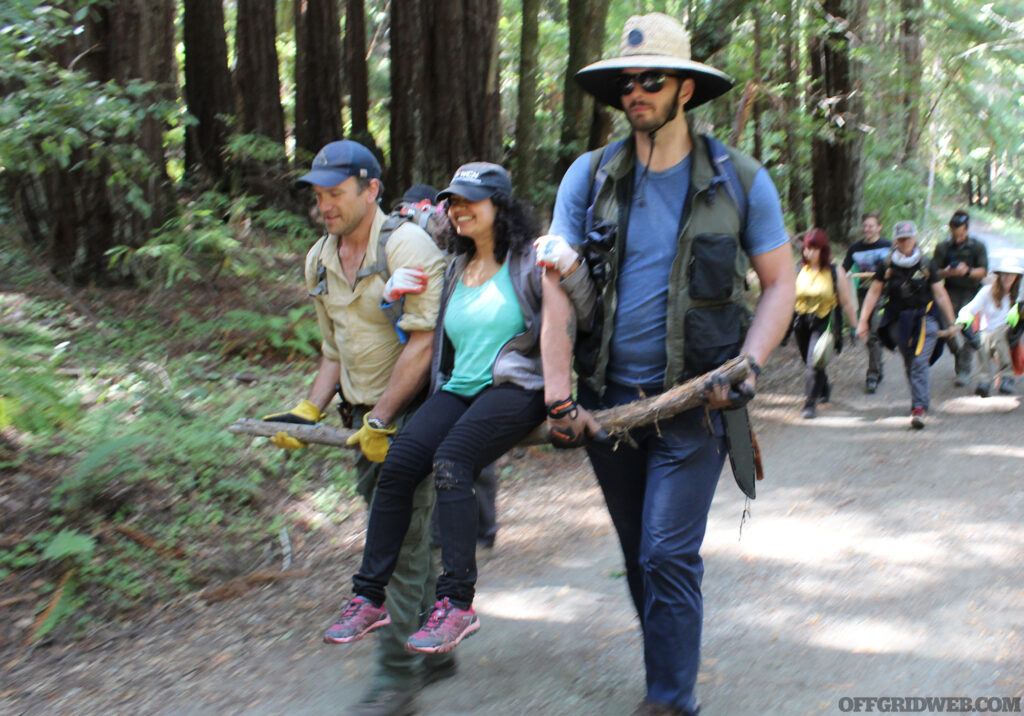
column 487, row 394
column 821, row 286
column 991, row 305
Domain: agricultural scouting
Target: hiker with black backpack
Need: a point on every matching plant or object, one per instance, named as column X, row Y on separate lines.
column 821, row 290
column 668, row 223
column 377, row 362
column 915, row 302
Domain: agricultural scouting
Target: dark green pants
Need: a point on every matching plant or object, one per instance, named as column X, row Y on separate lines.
column 411, row 589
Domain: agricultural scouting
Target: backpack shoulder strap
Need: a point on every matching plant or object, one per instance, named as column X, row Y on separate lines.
column 391, row 222
column 724, row 168
column 316, row 272
column 598, row 176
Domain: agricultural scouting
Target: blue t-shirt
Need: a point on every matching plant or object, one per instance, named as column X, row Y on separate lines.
column 637, row 355
column 478, row 321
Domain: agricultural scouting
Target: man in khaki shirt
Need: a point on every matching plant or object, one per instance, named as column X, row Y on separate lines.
column 382, row 367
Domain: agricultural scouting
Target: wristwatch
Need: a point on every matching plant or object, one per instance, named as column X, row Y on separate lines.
column 376, row 424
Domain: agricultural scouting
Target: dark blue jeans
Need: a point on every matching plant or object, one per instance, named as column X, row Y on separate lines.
column 658, row 495
column 455, row 437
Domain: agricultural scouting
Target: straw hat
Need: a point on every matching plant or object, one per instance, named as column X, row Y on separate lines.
column 654, row 41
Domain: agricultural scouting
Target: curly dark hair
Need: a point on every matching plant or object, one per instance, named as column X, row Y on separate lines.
column 515, row 227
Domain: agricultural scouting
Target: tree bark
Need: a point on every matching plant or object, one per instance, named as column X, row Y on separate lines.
column 208, row 92
column 445, row 103
column 317, row 75
column 796, row 193
column 836, row 151
column 356, row 76
column 580, row 115
column 526, row 117
column 911, row 72
column 257, row 80
column 76, row 213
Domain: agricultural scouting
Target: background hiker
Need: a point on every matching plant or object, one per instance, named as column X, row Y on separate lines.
column 821, row 287
column 914, row 302
column 991, row 307
column 379, row 377
column 661, row 202
column 963, row 263
column 864, row 256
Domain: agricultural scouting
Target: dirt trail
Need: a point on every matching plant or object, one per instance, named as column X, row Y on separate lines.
column 877, row 561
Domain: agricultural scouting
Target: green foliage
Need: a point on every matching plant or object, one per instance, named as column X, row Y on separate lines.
column 56, row 118
column 70, row 544
column 295, row 333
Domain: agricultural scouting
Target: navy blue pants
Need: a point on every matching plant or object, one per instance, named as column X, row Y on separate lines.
column 658, row 495
column 454, row 437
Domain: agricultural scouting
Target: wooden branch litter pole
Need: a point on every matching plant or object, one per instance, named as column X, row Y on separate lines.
column 615, row 421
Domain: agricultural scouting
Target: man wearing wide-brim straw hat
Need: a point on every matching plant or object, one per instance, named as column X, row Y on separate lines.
column 668, row 224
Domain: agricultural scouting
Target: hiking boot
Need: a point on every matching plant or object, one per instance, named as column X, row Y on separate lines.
column 1007, row 386
column 385, row 702
column 808, row 412
column 871, row 385
column 358, row 618
column 446, row 627
column 917, row 418
column 435, row 670
column 984, row 389
column 649, row 708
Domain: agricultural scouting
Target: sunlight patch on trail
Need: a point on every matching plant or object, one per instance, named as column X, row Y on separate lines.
column 559, row 604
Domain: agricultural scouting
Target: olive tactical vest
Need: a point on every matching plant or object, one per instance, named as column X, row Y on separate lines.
column 706, row 317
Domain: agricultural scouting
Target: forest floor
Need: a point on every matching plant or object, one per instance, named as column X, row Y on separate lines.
column 876, row 561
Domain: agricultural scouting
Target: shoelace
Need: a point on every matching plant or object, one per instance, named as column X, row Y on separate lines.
column 351, row 609
column 438, row 615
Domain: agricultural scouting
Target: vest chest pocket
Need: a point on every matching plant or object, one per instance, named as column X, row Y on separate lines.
column 710, row 272
column 713, row 335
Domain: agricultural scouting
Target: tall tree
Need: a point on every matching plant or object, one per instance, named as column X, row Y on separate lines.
column 257, row 82
column 98, row 180
column 526, row 118
column 317, row 74
column 356, row 76
column 208, row 92
column 586, row 38
column 836, row 150
column 445, row 103
column 911, row 72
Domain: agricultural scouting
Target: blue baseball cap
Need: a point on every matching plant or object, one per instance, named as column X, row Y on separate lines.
column 338, row 161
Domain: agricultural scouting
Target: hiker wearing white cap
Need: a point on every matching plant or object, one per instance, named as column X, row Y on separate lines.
column 668, row 223
column 915, row 301
column 990, row 307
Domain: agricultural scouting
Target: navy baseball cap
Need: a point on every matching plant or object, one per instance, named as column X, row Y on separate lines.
column 477, row 181
column 958, row 219
column 338, row 161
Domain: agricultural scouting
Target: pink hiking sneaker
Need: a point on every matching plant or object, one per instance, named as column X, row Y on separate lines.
column 446, row 627
column 358, row 618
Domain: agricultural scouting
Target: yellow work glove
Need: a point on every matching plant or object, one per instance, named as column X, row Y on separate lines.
column 1013, row 317
column 374, row 439
column 305, row 413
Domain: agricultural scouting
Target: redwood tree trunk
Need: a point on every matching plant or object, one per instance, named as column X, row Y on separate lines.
column 208, row 92
column 75, row 212
column 910, row 74
column 317, row 74
column 526, row 116
column 256, row 74
column 356, row 76
column 836, row 151
column 445, row 105
column 586, row 38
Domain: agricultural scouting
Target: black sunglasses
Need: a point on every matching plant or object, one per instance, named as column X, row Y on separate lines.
column 650, row 81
